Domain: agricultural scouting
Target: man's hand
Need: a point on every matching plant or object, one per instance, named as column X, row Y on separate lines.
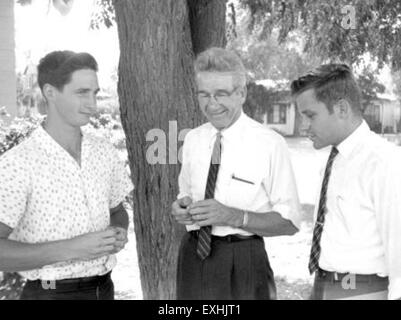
column 121, row 238
column 179, row 210
column 211, row 212
column 92, row 245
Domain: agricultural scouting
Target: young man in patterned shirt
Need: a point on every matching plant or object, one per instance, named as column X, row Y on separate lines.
column 61, row 215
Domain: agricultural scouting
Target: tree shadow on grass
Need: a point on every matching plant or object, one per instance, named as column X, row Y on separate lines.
column 293, row 290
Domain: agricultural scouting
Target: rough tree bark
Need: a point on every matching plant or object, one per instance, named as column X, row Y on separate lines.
column 208, row 23
column 156, row 86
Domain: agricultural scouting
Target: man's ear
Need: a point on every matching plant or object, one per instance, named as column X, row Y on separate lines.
column 342, row 109
column 49, row 92
column 243, row 92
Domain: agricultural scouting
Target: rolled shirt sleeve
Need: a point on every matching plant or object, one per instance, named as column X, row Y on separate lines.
column 121, row 184
column 281, row 184
column 184, row 176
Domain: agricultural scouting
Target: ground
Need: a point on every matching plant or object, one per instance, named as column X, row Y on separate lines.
column 288, row 254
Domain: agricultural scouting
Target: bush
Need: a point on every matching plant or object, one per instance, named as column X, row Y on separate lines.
column 11, row 286
column 16, row 131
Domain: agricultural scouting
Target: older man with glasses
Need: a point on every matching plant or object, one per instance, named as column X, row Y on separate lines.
column 236, row 187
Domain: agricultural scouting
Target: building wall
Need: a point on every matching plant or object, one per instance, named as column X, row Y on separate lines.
column 391, row 115
column 8, row 79
column 387, row 116
column 285, row 128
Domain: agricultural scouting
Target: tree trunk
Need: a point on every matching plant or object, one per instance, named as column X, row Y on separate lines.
column 8, row 78
column 156, row 91
column 208, row 24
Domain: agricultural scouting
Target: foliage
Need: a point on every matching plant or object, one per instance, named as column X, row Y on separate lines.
column 18, row 130
column 328, row 31
column 265, row 57
column 104, row 14
column 370, row 85
column 110, row 128
column 11, row 286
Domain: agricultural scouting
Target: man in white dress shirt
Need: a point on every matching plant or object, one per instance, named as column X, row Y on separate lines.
column 356, row 253
column 236, row 186
column 61, row 192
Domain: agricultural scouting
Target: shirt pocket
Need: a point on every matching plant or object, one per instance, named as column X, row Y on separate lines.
column 243, row 189
column 350, row 212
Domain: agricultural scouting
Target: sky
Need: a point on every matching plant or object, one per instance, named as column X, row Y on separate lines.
column 41, row 29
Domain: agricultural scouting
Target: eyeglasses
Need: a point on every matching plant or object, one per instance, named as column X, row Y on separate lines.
column 220, row 96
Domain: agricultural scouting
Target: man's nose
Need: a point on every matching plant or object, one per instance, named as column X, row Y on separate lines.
column 305, row 124
column 212, row 103
column 91, row 104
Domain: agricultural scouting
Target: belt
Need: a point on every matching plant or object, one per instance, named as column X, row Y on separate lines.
column 338, row 277
column 83, row 280
column 227, row 238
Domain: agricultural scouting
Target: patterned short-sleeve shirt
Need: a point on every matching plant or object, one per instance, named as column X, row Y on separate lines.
column 46, row 196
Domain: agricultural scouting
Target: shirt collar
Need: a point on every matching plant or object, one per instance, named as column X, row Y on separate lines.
column 346, row 147
column 230, row 132
column 48, row 144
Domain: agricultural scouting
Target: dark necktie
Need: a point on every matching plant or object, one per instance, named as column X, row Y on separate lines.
column 317, row 231
column 205, row 233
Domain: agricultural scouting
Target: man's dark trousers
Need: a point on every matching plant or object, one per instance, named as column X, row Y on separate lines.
column 235, row 270
column 90, row 288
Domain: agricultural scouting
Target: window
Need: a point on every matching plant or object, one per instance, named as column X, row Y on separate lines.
column 277, row 114
column 372, row 117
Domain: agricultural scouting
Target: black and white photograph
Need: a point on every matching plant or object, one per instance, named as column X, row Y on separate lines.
column 200, row 153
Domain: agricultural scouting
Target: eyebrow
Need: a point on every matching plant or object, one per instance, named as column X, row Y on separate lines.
column 308, row 111
column 85, row 90
column 218, row 90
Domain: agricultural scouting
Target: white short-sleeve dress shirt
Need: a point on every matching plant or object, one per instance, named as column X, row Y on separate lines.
column 46, row 196
column 255, row 172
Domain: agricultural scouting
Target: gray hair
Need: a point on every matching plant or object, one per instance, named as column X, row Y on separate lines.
column 221, row 60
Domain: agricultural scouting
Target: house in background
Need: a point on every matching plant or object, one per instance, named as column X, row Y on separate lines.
column 383, row 114
column 276, row 109
column 278, row 112
column 8, row 78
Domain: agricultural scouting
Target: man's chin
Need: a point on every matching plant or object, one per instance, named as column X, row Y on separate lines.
column 84, row 121
column 219, row 125
column 318, row 145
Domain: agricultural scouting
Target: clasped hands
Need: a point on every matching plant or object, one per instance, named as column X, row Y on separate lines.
column 97, row 244
column 121, row 238
column 205, row 213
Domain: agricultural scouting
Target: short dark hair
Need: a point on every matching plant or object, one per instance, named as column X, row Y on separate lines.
column 57, row 66
column 331, row 82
